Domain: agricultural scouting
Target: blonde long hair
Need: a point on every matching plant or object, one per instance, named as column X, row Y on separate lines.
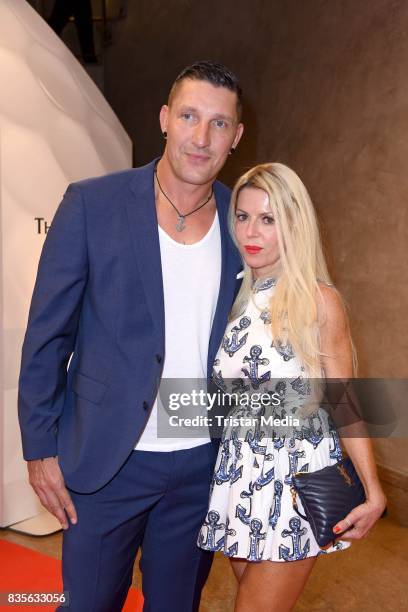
column 293, row 307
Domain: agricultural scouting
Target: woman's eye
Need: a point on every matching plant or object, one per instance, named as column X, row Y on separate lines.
column 269, row 220
column 241, row 217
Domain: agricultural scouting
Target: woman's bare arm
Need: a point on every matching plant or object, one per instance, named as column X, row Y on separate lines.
column 338, row 364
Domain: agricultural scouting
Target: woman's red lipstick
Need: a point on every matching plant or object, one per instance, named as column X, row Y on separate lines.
column 252, row 249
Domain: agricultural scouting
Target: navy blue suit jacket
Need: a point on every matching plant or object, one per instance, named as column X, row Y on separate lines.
column 99, row 297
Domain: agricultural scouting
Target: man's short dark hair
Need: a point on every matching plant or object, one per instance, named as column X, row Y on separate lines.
column 213, row 72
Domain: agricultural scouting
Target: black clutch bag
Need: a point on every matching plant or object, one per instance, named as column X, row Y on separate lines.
column 327, row 496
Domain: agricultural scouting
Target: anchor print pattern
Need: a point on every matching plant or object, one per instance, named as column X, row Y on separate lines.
column 294, row 457
column 335, row 450
column 265, row 316
column 250, row 513
column 217, row 377
column 213, row 525
column 233, row 344
column 295, row 532
column 254, row 437
column 276, row 510
column 284, row 350
column 313, row 432
column 239, row 386
column 268, row 283
column 224, row 473
column 301, row 385
column 255, row 360
column 255, row 537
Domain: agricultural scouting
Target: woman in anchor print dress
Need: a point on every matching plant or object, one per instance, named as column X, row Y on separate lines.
column 286, row 330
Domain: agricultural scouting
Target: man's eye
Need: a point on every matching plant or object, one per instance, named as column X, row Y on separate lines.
column 187, row 116
column 220, row 123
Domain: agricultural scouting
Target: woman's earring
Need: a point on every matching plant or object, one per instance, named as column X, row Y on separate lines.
column 232, row 150
column 165, row 135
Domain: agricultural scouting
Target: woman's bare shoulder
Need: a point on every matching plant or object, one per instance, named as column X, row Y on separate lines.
column 330, row 307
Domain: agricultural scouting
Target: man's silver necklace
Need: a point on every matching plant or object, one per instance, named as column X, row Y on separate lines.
column 181, row 218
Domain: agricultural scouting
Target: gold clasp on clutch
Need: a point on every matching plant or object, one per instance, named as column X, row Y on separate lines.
column 293, row 493
column 345, row 475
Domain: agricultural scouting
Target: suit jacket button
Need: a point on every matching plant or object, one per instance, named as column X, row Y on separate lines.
column 145, row 405
column 159, row 358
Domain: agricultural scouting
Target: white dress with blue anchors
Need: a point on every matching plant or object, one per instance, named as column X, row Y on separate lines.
column 250, row 514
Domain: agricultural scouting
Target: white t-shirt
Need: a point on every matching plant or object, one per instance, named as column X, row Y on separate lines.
column 191, row 281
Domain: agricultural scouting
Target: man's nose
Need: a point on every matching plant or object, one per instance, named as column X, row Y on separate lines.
column 202, row 135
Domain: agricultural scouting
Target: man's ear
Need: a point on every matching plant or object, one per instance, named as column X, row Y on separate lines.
column 238, row 135
column 164, row 113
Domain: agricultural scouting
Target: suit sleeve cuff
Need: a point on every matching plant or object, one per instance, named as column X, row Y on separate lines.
column 39, row 448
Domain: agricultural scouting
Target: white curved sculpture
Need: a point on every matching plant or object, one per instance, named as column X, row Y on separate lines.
column 55, row 128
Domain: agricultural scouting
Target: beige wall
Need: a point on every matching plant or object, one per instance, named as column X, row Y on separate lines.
column 326, row 88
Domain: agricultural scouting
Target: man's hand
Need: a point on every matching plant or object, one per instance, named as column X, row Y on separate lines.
column 46, row 478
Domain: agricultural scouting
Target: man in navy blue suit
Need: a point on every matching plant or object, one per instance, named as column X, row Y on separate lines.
column 135, row 282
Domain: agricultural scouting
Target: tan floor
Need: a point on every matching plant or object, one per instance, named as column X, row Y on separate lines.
column 371, row 576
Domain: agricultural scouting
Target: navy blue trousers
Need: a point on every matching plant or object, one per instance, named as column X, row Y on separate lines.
column 157, row 501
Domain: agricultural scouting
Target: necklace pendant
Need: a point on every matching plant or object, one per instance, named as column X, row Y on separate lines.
column 180, row 223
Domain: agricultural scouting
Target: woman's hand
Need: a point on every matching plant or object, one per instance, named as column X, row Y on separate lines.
column 361, row 519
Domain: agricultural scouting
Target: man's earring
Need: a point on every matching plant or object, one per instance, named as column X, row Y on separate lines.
column 232, row 150
column 165, row 135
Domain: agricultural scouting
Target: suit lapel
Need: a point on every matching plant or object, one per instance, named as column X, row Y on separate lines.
column 142, row 216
